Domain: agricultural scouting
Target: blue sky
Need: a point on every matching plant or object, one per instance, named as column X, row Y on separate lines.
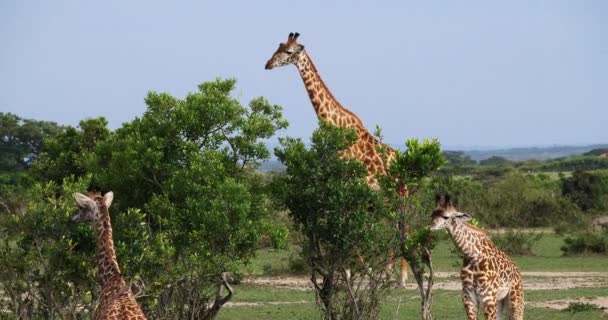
column 471, row 73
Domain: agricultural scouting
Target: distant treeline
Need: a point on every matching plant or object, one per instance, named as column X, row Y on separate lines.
column 460, row 163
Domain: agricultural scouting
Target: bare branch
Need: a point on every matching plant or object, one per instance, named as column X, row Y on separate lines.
column 5, row 206
column 351, row 294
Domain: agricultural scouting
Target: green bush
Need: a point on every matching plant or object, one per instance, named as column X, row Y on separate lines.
column 297, row 264
column 586, row 242
column 517, row 242
column 341, row 220
column 576, row 307
column 46, row 263
column 189, row 207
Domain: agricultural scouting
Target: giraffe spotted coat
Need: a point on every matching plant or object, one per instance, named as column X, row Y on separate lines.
column 374, row 155
column 490, row 278
column 116, row 301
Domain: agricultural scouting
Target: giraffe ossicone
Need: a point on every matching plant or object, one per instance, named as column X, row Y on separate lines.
column 116, row 300
column 490, row 277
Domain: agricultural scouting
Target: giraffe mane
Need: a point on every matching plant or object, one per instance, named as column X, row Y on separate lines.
column 474, row 228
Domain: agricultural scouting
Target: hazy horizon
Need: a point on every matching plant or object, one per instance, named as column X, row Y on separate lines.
column 484, row 75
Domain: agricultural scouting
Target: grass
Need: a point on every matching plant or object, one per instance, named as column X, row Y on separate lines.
column 548, row 257
column 398, row 305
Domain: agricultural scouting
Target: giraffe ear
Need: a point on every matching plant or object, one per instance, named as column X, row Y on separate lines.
column 437, row 199
column 299, row 48
column 108, row 197
column 83, row 200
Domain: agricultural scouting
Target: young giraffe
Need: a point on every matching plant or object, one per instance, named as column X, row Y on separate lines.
column 117, row 302
column 489, row 276
column 367, row 148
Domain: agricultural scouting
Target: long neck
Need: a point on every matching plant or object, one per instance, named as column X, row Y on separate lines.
column 107, row 265
column 468, row 240
column 323, row 101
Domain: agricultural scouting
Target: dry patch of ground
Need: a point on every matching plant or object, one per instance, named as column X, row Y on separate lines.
column 451, row 281
column 562, row 304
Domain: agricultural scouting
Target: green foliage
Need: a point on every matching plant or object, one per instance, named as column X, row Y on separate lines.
column 340, row 218
column 20, row 140
column 188, row 204
column 517, row 242
column 515, row 200
column 493, row 160
column 191, row 161
column 46, row 265
column 587, row 190
column 586, row 242
column 574, row 163
column 576, row 307
column 596, row 152
column 411, row 214
column 458, row 158
column 417, row 162
column 69, row 152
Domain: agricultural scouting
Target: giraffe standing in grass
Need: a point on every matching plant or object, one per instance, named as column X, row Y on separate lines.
column 489, row 276
column 117, row 301
column 367, row 148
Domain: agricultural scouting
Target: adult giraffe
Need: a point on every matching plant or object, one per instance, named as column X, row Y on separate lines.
column 116, row 300
column 367, row 148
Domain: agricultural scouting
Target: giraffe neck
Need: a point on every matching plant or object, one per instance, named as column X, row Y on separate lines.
column 323, row 101
column 332, row 112
column 107, row 265
column 468, row 240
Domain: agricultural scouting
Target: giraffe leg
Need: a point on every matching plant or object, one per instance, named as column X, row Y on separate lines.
column 490, row 308
column 470, row 303
column 403, row 277
column 516, row 302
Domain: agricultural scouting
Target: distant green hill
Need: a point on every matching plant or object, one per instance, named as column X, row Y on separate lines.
column 536, row 153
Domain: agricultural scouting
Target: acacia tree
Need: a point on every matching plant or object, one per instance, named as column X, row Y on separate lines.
column 341, row 219
column 188, row 165
column 188, row 207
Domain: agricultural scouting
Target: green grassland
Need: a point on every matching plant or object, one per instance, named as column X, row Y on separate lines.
column 400, row 304
column 547, row 257
column 257, row 302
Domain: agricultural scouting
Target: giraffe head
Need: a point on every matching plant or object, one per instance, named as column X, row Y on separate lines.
column 88, row 211
column 445, row 213
column 287, row 53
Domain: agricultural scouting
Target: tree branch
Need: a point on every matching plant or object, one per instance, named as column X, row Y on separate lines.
column 351, row 294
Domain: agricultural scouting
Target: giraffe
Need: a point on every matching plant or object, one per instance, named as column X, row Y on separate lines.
column 489, row 276
column 367, row 148
column 117, row 301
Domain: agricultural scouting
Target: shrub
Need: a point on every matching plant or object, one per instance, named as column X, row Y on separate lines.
column 297, row 264
column 586, row 242
column 341, row 220
column 575, row 307
column 517, row 242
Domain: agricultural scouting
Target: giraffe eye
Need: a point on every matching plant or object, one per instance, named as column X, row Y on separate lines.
column 287, row 51
column 445, row 217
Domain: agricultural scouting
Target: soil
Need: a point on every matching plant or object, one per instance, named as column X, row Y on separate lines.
column 451, row 281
